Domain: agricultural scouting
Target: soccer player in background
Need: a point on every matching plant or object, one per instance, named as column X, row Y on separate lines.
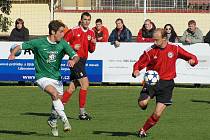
column 82, row 40
column 48, row 53
column 160, row 57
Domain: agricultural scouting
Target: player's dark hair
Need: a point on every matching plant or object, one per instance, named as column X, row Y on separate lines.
column 85, row 14
column 54, row 25
column 19, row 21
column 99, row 20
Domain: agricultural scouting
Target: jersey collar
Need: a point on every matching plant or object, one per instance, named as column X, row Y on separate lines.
column 50, row 41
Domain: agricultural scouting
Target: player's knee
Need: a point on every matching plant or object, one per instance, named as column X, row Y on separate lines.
column 71, row 89
column 157, row 114
column 142, row 105
column 85, row 85
column 55, row 97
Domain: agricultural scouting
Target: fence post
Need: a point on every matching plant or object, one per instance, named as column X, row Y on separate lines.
column 52, row 10
column 145, row 9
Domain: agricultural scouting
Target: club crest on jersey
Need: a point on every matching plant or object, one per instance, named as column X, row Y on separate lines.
column 170, row 54
column 78, row 35
column 51, row 57
column 89, row 37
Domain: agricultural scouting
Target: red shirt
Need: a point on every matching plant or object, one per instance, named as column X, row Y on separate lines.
column 140, row 38
column 163, row 60
column 103, row 32
column 78, row 35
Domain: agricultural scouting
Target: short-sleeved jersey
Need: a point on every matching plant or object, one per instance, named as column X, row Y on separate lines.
column 48, row 56
column 78, row 35
column 163, row 60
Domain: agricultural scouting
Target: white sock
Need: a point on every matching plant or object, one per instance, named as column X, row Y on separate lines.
column 60, row 109
column 82, row 111
column 54, row 115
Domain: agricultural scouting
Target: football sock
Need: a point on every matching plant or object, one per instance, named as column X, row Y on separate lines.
column 82, row 98
column 60, row 109
column 66, row 97
column 152, row 120
column 54, row 115
column 82, row 111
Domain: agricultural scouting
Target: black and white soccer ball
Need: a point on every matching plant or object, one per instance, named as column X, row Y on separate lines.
column 151, row 77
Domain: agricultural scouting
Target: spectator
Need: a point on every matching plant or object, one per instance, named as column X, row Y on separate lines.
column 20, row 32
column 207, row 37
column 101, row 32
column 171, row 34
column 145, row 34
column 120, row 34
column 192, row 35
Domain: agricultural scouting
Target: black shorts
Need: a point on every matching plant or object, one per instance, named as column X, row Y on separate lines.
column 78, row 71
column 162, row 91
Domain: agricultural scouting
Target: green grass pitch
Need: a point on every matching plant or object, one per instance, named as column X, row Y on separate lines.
column 116, row 115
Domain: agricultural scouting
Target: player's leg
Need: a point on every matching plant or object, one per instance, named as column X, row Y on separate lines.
column 69, row 91
column 58, row 105
column 163, row 95
column 84, row 83
column 153, row 119
column 146, row 94
column 76, row 73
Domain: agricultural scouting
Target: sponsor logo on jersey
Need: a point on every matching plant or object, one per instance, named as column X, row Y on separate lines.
column 170, row 54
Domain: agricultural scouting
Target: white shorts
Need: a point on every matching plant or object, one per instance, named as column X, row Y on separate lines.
column 43, row 82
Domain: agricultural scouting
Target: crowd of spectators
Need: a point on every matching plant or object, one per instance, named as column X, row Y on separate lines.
column 121, row 33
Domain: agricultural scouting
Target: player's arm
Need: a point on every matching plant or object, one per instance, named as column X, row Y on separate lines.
column 92, row 44
column 143, row 61
column 74, row 58
column 192, row 59
column 69, row 37
column 23, row 46
column 13, row 52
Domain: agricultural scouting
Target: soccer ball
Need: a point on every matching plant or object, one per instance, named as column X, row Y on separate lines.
column 151, row 77
column 12, row 47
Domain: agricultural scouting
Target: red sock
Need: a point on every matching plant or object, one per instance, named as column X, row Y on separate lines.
column 152, row 120
column 66, row 97
column 82, row 98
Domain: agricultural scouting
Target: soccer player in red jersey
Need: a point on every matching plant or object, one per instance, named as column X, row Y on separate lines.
column 160, row 57
column 82, row 39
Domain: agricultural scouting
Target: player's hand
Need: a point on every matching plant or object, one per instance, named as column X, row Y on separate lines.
column 136, row 73
column 117, row 43
column 71, row 63
column 99, row 38
column 93, row 40
column 11, row 57
column 191, row 62
column 77, row 46
column 188, row 40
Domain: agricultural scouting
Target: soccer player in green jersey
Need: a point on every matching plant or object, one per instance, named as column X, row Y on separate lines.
column 48, row 54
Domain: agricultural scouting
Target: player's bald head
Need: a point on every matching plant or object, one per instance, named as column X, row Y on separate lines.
column 159, row 33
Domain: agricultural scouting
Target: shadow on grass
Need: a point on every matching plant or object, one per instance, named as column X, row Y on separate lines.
column 26, row 133
column 41, row 114
column 200, row 101
column 109, row 133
